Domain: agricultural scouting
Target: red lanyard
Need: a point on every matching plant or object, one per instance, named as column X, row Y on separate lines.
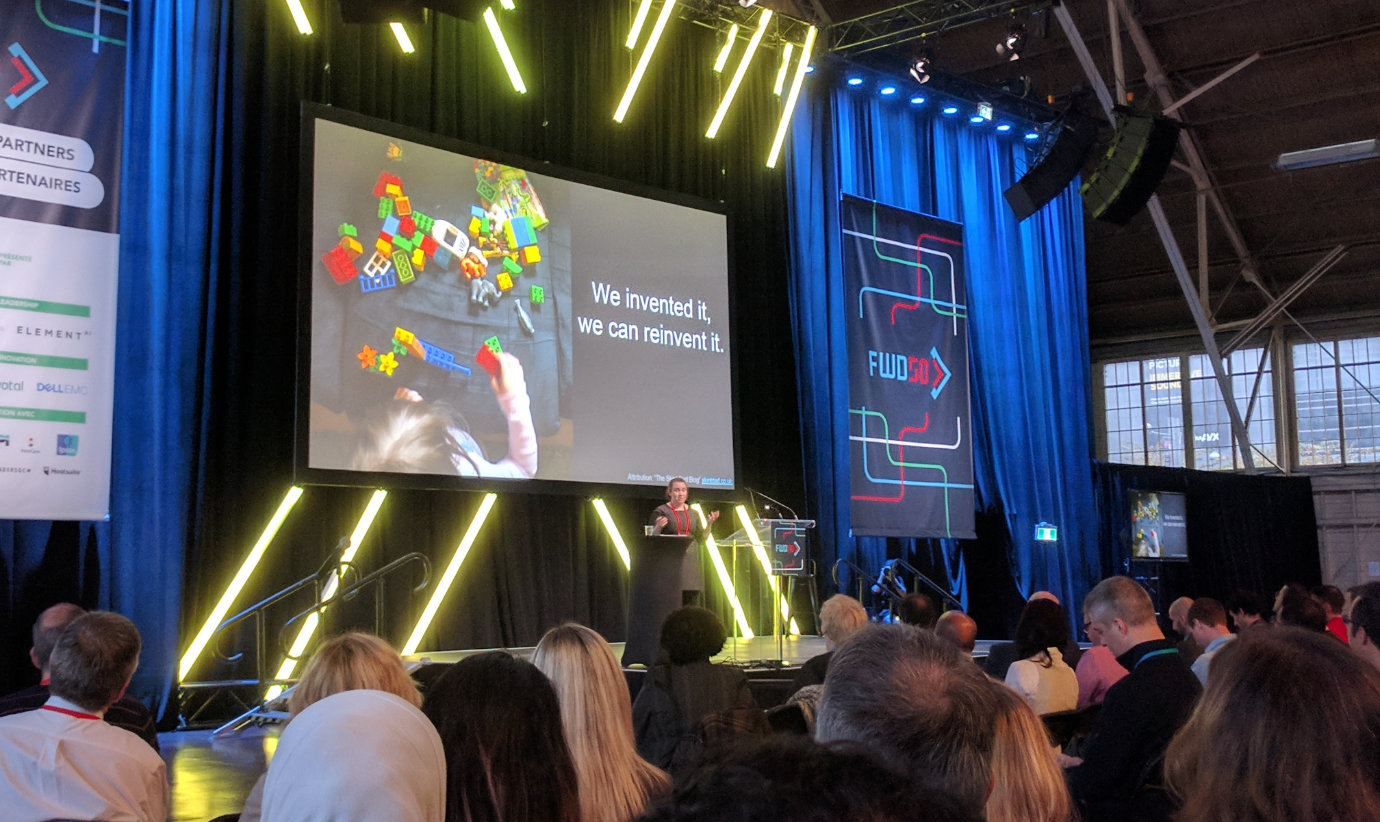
column 681, row 530
column 78, row 714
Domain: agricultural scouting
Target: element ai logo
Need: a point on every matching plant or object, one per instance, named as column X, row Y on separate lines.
column 66, row 445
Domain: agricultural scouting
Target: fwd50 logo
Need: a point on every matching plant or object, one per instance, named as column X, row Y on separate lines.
column 931, row 370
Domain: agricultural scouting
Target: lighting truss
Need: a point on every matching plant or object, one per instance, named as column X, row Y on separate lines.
column 911, row 21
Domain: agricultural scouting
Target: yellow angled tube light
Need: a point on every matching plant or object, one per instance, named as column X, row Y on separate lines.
column 639, row 20
column 724, row 578
column 603, row 510
column 791, row 98
column 299, row 16
column 722, row 59
column 237, row 584
column 504, row 54
column 780, row 84
column 738, row 73
column 328, row 591
column 642, row 61
column 508, row 5
column 760, row 551
column 448, row 578
column 404, row 42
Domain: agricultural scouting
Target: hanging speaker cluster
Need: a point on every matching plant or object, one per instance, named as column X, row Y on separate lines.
column 1132, row 168
column 1074, row 135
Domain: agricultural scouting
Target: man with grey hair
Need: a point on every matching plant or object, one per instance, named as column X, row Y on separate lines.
column 128, row 713
column 61, row 761
column 913, row 700
column 1141, row 712
column 839, row 618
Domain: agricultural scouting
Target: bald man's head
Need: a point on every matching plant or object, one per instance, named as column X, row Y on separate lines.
column 958, row 628
column 47, row 628
column 1043, row 595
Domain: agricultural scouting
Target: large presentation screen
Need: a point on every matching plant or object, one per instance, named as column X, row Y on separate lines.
column 478, row 316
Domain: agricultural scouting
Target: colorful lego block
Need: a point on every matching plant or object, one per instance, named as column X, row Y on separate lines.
column 338, row 263
column 385, row 207
column 505, row 281
column 511, row 266
column 403, row 264
column 531, row 254
column 486, row 190
column 408, row 339
column 378, row 264
column 521, row 230
column 402, row 244
column 418, row 259
column 477, row 211
column 384, row 244
column 424, row 223
column 428, row 246
column 393, row 190
column 404, row 206
column 347, row 230
column 508, row 235
column 386, row 363
column 475, row 224
column 391, row 224
column 538, row 295
column 441, row 256
column 492, row 344
column 407, row 226
column 378, row 282
column 366, row 356
column 486, row 359
column 381, row 187
column 353, row 248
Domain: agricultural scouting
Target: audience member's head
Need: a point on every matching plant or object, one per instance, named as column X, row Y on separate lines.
column 1027, row 783
column 1043, row 625
column 362, row 755
column 1120, row 610
column 93, row 659
column 916, row 702
column 1288, row 593
column 1363, row 622
column 1302, row 612
column 958, row 628
column 918, row 610
column 1043, row 595
column 506, row 756
column 1246, row 608
column 790, row 777
column 615, row 783
column 1286, row 729
column 47, row 628
column 692, row 635
column 1178, row 615
column 350, row 662
column 1206, row 620
column 839, row 618
column 1331, row 598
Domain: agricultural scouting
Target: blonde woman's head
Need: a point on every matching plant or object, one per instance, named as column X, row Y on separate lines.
column 352, row 662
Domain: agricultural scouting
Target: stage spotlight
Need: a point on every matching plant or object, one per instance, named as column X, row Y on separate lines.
column 809, row 69
column 1011, row 46
column 917, row 100
column 950, row 109
column 887, row 90
column 854, row 81
column 977, row 119
column 920, row 68
column 1032, row 136
column 1003, row 127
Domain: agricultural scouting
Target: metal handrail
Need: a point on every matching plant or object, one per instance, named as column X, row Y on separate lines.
column 862, row 577
column 906, row 566
column 344, row 594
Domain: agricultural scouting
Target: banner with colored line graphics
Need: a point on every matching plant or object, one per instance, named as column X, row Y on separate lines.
column 61, row 118
column 910, row 441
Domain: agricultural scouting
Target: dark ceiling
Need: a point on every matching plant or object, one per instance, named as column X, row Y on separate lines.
column 1316, row 82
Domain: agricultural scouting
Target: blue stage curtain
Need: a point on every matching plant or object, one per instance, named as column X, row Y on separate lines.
column 133, row 564
column 1028, row 327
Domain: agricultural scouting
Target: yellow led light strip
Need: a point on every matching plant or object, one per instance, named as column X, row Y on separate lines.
column 508, row 5
column 724, row 579
column 299, row 16
column 504, row 54
column 738, row 73
column 791, row 98
column 639, row 19
column 404, row 42
column 604, row 517
column 642, row 61
column 780, row 83
column 309, row 625
column 448, row 578
column 237, row 584
column 722, row 59
column 760, row 551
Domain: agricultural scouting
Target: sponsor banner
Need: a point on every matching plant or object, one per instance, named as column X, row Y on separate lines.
column 60, row 129
column 910, row 441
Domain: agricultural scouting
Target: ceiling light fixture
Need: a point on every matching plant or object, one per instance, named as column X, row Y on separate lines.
column 1329, row 155
column 920, row 68
column 1013, row 43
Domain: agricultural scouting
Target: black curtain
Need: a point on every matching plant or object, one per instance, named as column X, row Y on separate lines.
column 1251, row 532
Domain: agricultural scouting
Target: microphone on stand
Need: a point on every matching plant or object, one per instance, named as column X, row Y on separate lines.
column 779, row 506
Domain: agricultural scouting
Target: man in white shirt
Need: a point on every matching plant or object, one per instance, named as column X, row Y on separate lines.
column 1207, row 624
column 61, row 761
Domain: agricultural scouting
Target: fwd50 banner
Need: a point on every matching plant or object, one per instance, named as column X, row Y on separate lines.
column 908, row 413
column 61, row 116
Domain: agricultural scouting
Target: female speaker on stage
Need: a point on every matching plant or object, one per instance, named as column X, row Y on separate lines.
column 675, row 518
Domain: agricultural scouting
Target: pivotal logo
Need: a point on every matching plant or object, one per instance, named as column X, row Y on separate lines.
column 66, row 445
column 12, row 385
column 61, row 388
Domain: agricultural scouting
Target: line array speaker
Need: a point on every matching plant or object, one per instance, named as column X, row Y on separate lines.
column 1057, row 168
column 1132, row 168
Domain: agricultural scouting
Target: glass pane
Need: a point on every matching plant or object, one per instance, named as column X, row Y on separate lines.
column 1315, row 405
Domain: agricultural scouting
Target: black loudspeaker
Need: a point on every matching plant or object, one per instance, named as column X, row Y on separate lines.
column 1057, row 168
column 405, row 11
column 1132, row 167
